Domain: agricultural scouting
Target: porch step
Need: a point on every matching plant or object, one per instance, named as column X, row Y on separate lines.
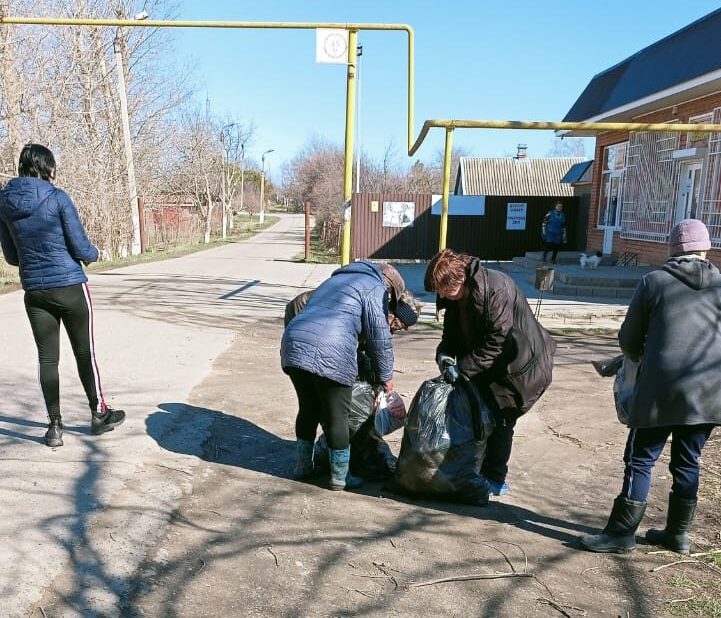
column 585, row 278
column 599, row 291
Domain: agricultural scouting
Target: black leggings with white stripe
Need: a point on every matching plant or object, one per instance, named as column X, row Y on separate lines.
column 70, row 305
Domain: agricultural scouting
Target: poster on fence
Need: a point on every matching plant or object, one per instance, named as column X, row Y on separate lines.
column 398, row 214
column 516, row 215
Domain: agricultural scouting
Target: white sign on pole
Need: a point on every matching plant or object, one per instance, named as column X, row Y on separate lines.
column 331, row 45
column 516, row 216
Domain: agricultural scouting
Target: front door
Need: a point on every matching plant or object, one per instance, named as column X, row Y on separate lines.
column 609, row 219
column 689, row 190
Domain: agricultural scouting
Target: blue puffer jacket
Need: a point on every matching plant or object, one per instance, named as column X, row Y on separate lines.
column 40, row 231
column 323, row 338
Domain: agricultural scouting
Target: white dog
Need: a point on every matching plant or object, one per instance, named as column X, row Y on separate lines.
column 592, row 261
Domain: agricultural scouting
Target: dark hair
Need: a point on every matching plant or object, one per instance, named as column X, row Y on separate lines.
column 37, row 161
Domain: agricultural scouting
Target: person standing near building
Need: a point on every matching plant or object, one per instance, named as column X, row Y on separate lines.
column 40, row 232
column 672, row 328
column 553, row 231
column 491, row 336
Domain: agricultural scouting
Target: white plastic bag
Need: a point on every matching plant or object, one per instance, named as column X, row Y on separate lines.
column 624, row 385
column 385, row 422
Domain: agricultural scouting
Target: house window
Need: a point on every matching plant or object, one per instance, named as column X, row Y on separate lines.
column 698, row 140
column 649, row 186
column 710, row 203
column 612, row 173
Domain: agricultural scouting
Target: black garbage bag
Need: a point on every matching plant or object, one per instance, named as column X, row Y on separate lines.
column 444, row 443
column 370, row 456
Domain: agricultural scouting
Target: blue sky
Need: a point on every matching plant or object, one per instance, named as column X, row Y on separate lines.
column 475, row 59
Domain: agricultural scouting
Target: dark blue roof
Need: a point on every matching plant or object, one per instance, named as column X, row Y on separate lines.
column 576, row 172
column 691, row 52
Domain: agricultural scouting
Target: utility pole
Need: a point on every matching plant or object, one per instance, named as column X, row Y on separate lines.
column 222, row 184
column 242, row 173
column 132, row 189
column 262, row 186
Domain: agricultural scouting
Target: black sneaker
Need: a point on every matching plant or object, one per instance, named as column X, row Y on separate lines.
column 54, row 434
column 106, row 421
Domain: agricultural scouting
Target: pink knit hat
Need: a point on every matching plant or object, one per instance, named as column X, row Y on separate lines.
column 687, row 236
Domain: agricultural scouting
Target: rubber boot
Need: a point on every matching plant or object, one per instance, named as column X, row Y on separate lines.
column 619, row 535
column 678, row 522
column 304, row 460
column 340, row 477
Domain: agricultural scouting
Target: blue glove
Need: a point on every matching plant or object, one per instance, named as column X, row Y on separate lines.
column 451, row 374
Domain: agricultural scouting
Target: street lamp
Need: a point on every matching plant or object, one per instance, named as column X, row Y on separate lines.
column 262, row 185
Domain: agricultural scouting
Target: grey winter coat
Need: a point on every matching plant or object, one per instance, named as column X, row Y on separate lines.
column 323, row 338
column 673, row 325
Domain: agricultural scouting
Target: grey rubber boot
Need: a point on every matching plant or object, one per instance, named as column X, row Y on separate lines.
column 340, row 477
column 619, row 535
column 304, row 460
column 678, row 522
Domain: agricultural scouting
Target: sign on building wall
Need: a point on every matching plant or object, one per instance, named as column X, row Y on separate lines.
column 516, row 215
column 398, row 214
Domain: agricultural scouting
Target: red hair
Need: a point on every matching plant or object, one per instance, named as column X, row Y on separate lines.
column 446, row 270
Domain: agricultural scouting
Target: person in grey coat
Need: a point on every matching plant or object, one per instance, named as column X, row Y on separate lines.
column 319, row 353
column 672, row 328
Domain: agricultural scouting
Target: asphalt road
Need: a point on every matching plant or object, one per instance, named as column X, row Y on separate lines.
column 159, row 327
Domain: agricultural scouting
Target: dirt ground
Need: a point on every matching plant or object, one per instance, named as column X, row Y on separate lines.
column 248, row 541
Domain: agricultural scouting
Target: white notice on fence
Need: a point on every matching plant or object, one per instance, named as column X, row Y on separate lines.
column 516, row 216
column 398, row 214
column 331, row 45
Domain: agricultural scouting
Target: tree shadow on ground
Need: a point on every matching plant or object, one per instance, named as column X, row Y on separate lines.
column 235, row 441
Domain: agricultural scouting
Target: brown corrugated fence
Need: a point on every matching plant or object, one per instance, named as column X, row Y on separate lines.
column 483, row 236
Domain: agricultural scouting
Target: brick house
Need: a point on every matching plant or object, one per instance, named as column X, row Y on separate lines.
column 645, row 182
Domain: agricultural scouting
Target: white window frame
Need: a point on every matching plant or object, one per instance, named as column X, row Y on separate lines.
column 605, row 174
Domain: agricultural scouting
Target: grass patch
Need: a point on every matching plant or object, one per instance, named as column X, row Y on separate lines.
column 683, row 581
column 319, row 254
column 701, row 607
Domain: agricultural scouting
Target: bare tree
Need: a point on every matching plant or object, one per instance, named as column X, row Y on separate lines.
column 567, row 147
column 235, row 138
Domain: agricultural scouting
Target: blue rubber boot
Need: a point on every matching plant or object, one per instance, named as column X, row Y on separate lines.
column 340, row 477
column 499, row 489
column 304, row 460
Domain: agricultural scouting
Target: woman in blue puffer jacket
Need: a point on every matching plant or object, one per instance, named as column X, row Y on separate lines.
column 40, row 232
column 319, row 353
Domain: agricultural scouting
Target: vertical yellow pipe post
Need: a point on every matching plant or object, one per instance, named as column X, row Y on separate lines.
column 349, row 129
column 411, row 88
column 446, row 187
